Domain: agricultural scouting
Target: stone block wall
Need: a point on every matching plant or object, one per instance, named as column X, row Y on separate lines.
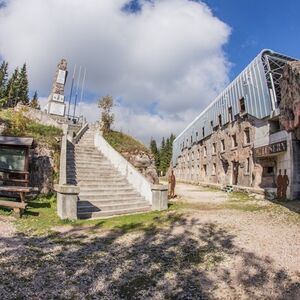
column 211, row 159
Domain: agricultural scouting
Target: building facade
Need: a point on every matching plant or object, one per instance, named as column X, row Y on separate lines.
column 238, row 139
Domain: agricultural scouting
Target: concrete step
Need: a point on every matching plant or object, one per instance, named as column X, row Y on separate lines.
column 95, row 175
column 86, row 161
column 107, row 194
column 91, row 168
column 111, row 213
column 94, row 164
column 110, row 179
column 108, row 197
column 99, row 203
column 86, row 186
column 108, row 207
column 102, row 182
column 108, row 191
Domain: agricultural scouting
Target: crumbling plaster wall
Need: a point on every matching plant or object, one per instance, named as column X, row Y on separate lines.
column 290, row 98
column 191, row 164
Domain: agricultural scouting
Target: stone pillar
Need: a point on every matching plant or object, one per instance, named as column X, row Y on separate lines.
column 159, row 197
column 67, row 198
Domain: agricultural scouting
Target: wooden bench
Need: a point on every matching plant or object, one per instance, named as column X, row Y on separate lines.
column 15, row 182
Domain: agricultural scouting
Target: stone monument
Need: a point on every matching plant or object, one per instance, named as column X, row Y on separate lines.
column 56, row 100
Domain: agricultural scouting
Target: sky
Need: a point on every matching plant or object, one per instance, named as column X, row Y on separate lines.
column 163, row 61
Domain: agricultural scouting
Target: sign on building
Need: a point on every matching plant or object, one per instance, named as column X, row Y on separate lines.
column 270, row 149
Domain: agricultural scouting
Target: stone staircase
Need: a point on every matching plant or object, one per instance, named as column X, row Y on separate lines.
column 104, row 191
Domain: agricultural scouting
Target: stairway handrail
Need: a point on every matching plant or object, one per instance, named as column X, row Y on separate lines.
column 63, row 157
column 134, row 177
column 80, row 133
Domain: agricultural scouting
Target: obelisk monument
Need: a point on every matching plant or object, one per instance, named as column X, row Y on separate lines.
column 56, row 100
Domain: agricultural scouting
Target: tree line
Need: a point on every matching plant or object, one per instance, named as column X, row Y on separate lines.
column 15, row 89
column 162, row 154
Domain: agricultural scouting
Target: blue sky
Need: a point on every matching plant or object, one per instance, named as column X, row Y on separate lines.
column 163, row 61
column 258, row 24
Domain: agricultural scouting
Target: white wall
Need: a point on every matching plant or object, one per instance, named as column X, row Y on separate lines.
column 134, row 177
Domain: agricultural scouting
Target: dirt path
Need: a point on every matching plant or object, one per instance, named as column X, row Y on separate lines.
column 212, row 247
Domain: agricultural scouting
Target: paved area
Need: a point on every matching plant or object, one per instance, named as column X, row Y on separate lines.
column 212, row 246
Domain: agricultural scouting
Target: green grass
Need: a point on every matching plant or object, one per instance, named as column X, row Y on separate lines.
column 19, row 125
column 124, row 143
column 40, row 217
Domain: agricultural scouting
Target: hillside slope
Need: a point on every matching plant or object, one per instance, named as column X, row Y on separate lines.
column 135, row 152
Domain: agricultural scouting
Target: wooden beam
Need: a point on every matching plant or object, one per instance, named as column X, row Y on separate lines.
column 13, row 204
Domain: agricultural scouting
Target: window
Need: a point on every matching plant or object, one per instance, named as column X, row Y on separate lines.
column 268, row 171
column 274, row 126
column 203, row 131
column 234, row 141
column 248, row 166
column 197, row 135
column 214, row 148
column 198, row 153
column 242, row 105
column 230, row 116
column 212, row 124
column 193, row 155
column 204, row 151
column 223, row 145
column 214, row 170
column 220, row 120
column 205, row 170
column 191, row 139
column 247, row 136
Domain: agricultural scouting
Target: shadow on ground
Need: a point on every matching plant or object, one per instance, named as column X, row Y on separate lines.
column 186, row 260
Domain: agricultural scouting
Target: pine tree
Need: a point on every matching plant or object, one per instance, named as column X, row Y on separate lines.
column 165, row 153
column 155, row 152
column 12, row 88
column 3, row 78
column 23, row 86
column 34, row 103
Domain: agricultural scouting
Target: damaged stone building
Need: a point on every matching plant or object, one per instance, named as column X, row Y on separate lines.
column 244, row 138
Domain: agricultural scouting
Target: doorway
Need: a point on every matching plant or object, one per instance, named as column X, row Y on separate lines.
column 235, row 172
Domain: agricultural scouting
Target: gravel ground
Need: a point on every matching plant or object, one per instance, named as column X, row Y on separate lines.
column 203, row 254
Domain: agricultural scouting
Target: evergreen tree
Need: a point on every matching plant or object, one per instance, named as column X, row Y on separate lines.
column 155, row 152
column 165, row 153
column 23, row 86
column 35, row 101
column 12, row 88
column 3, row 78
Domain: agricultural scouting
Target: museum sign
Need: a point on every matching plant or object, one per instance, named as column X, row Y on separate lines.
column 270, row 149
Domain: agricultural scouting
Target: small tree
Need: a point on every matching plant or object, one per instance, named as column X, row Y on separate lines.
column 154, row 150
column 107, row 118
column 35, row 101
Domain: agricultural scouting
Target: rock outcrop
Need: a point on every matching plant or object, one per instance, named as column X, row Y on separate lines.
column 144, row 162
column 290, row 98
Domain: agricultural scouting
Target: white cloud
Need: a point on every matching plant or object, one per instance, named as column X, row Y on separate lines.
column 164, row 63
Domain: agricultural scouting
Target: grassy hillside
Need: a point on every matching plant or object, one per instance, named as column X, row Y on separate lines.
column 18, row 125
column 124, row 143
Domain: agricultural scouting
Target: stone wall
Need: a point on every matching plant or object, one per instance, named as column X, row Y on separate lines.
column 143, row 162
column 39, row 116
column 212, row 159
column 43, row 166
